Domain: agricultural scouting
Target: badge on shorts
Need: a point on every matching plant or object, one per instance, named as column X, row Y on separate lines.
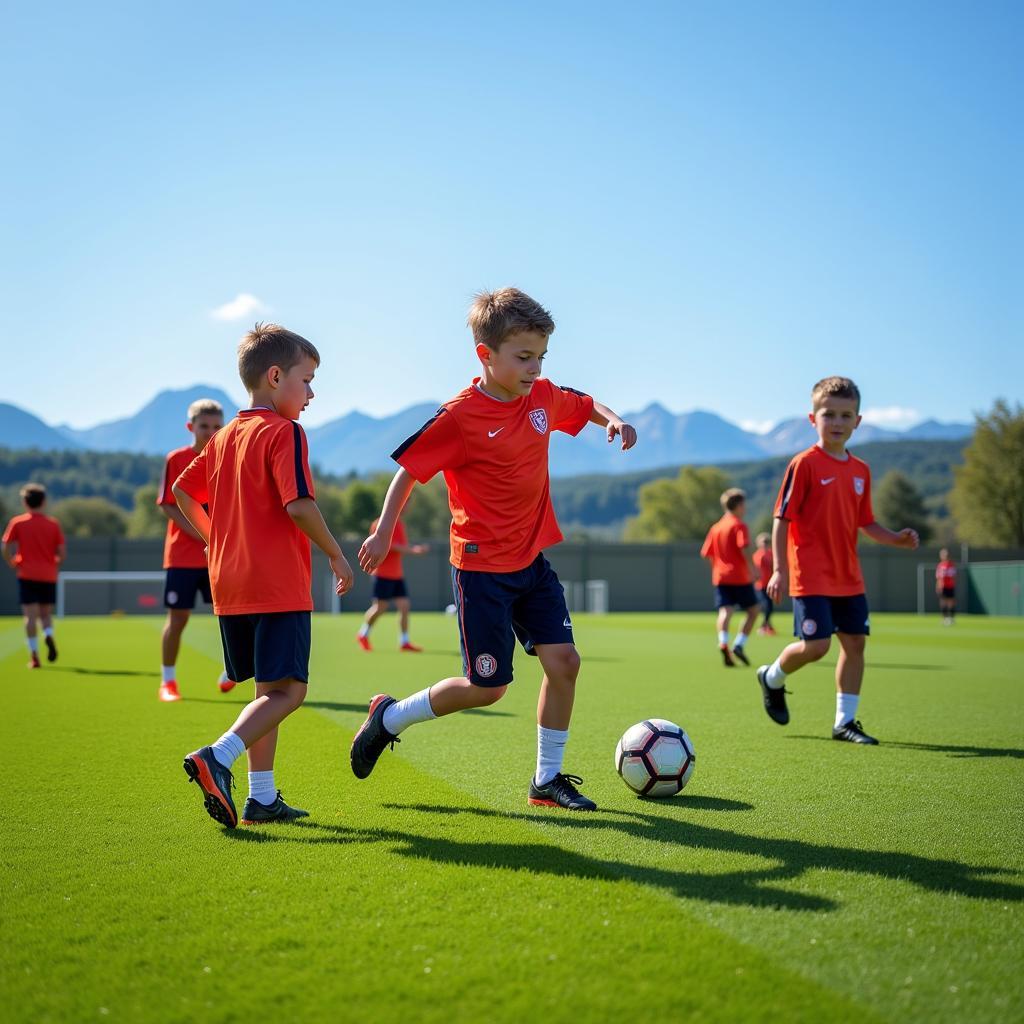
column 539, row 419
column 809, row 627
column 172, row 597
column 858, row 484
column 486, row 665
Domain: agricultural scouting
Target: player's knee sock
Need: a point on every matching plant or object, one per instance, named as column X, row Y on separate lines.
column 167, row 673
column 550, row 751
column 723, row 637
column 846, row 708
column 404, row 713
column 228, row 749
column 224, row 677
column 741, row 639
column 775, row 677
column 364, row 630
column 262, row 788
column 33, row 644
column 403, row 638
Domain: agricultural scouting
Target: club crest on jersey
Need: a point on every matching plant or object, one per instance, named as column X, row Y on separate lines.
column 858, row 484
column 539, row 419
column 486, row 665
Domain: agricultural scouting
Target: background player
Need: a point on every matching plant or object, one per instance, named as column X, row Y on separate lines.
column 389, row 585
column 33, row 546
column 945, row 587
column 725, row 547
column 824, row 500
column 491, row 443
column 764, row 565
column 184, row 549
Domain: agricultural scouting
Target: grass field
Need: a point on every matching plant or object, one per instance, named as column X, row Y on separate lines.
column 795, row 879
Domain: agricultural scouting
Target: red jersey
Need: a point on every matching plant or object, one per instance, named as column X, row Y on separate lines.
column 494, row 456
column 181, row 549
column 38, row 537
column 826, row 501
column 247, row 473
column 945, row 575
column 765, row 565
column 391, row 567
column 724, row 545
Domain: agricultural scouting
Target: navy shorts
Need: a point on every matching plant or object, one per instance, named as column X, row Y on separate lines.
column 494, row 609
column 182, row 585
column 387, row 590
column 36, row 592
column 269, row 646
column 817, row 618
column 948, row 593
column 735, row 595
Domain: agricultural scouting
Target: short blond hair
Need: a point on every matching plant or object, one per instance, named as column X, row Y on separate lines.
column 834, row 387
column 732, row 498
column 495, row 315
column 205, row 407
column 268, row 345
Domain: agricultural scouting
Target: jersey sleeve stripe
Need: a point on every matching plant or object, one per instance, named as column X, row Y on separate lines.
column 573, row 391
column 411, row 440
column 301, row 488
column 787, row 491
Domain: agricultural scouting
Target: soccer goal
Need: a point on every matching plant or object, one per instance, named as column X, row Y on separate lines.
column 109, row 593
column 587, row 596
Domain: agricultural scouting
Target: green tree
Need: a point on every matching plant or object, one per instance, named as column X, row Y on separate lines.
column 987, row 499
column 91, row 517
column 427, row 516
column 146, row 519
column 363, row 500
column 331, row 500
column 898, row 503
column 679, row 508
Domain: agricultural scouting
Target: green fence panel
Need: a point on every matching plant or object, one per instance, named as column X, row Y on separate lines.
column 995, row 588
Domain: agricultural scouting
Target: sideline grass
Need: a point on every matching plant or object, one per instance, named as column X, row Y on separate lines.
column 795, row 877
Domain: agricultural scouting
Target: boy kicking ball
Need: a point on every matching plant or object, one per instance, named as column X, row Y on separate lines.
column 824, row 500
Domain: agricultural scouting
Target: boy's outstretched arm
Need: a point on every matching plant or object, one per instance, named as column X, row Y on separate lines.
column 378, row 544
column 905, row 538
column 614, row 424
column 306, row 516
column 193, row 512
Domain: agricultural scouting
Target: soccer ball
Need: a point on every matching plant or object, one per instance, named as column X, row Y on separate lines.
column 655, row 758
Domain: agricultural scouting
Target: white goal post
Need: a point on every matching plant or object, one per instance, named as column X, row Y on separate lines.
column 101, row 577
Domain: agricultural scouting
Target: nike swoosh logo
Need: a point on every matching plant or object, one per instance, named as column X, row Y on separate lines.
column 828, row 481
column 492, row 433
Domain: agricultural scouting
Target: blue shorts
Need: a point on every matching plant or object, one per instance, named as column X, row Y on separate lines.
column 817, row 618
column 269, row 646
column 182, row 585
column 494, row 609
column 387, row 590
column 735, row 595
column 36, row 592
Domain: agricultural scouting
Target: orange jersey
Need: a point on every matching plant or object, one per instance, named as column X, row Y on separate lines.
column 391, row 567
column 494, row 456
column 826, row 501
column 765, row 565
column 945, row 575
column 38, row 537
column 181, row 549
column 724, row 545
column 247, row 473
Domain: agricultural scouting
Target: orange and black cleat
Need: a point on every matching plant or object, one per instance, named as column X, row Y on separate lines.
column 215, row 781
column 561, row 791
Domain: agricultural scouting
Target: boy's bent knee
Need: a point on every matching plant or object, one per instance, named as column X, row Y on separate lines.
column 817, row 649
column 485, row 696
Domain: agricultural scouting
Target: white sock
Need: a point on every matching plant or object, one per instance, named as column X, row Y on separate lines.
column 403, row 638
column 262, row 788
column 364, row 630
column 775, row 677
column 33, row 644
column 550, row 751
column 846, row 708
column 167, row 673
column 723, row 636
column 404, row 713
column 228, row 749
column 741, row 639
column 224, row 677
column 48, row 631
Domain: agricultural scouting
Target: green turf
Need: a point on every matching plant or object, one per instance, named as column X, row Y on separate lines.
column 795, row 879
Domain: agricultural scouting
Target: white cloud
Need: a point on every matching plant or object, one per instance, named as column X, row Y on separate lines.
column 757, row 426
column 241, row 306
column 893, row 417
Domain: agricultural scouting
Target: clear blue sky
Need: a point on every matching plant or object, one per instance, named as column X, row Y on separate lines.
column 719, row 202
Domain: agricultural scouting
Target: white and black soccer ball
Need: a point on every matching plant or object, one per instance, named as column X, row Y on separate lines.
column 655, row 758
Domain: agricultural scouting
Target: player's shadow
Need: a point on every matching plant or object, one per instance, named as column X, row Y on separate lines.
column 953, row 749
column 329, row 705
column 912, row 668
column 78, row 670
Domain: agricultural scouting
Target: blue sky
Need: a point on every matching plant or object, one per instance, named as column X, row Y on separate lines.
column 719, row 202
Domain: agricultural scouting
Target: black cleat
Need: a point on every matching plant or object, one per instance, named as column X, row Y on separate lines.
column 561, row 791
column 255, row 813
column 726, row 656
column 741, row 654
column 774, row 698
column 369, row 743
column 51, row 648
column 852, row 732
column 215, row 781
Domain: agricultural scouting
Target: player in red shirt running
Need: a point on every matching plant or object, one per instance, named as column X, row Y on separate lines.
column 945, row 587
column 765, row 566
column 491, row 442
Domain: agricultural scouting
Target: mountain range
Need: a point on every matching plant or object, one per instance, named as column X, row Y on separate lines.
column 361, row 444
